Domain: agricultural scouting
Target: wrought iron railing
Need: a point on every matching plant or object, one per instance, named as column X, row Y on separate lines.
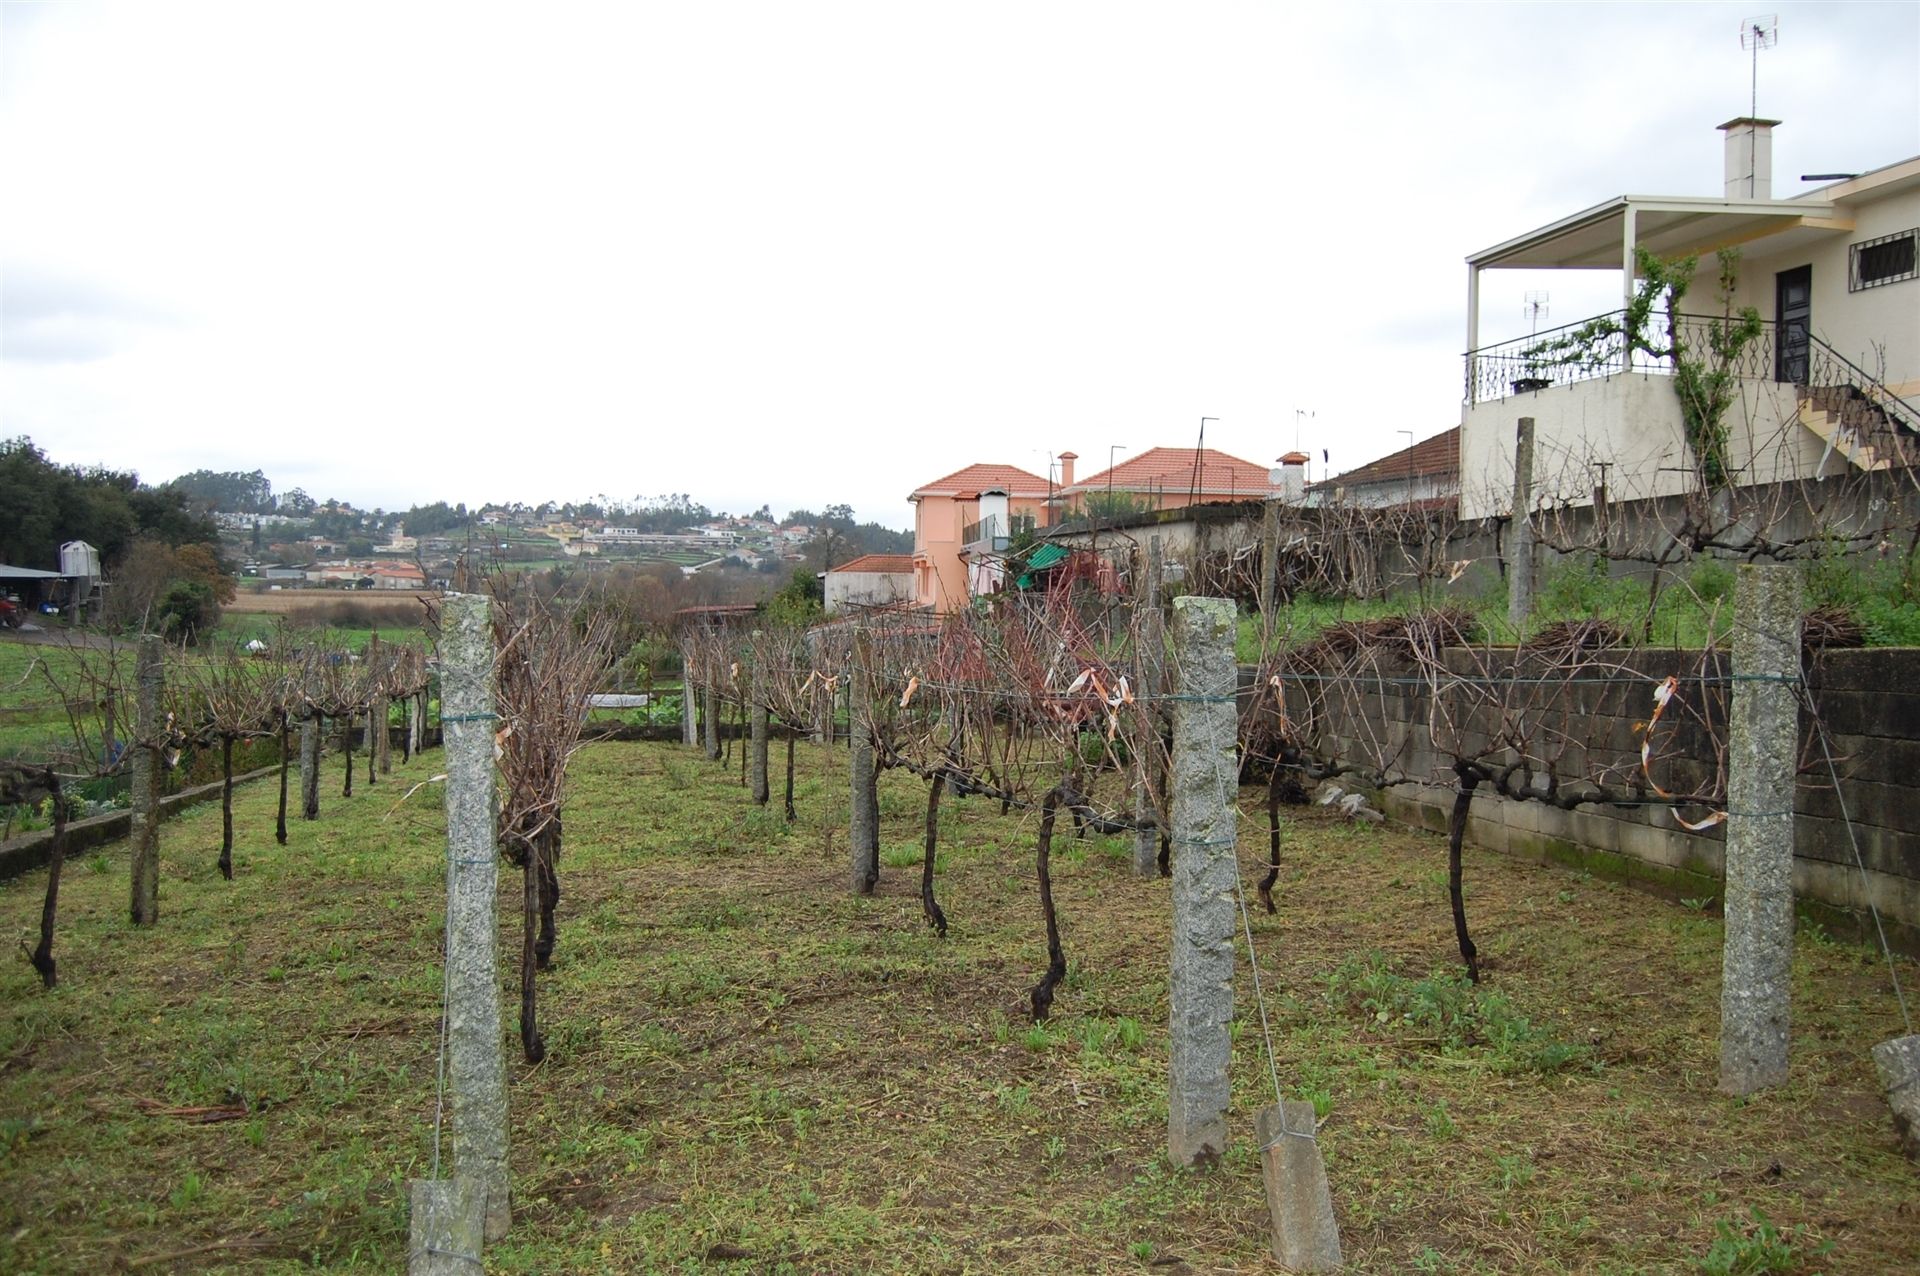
column 1598, row 347
column 997, row 530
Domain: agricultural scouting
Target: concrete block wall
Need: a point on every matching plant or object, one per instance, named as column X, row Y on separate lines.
column 1869, row 707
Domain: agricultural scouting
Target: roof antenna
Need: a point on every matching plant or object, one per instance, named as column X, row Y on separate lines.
column 1193, row 488
column 1756, row 34
column 1536, row 308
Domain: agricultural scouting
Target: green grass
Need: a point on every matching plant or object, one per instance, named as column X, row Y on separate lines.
column 750, row 1069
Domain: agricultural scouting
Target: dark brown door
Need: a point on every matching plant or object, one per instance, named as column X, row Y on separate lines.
column 1793, row 311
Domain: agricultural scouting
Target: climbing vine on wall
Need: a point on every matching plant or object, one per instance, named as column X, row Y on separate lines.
column 1703, row 378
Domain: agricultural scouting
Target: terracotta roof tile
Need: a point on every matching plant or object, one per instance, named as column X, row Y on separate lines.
column 973, row 478
column 1437, row 455
column 900, row 563
column 1171, row 469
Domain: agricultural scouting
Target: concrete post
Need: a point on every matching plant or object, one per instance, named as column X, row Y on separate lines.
column 757, row 717
column 149, row 679
column 1763, row 737
column 1899, row 1064
column 1269, row 558
column 1148, row 767
column 1299, row 1203
column 447, row 1227
column 1206, row 775
column 689, row 710
column 311, row 728
column 476, row 1072
column 863, row 824
column 1520, row 531
column 710, row 715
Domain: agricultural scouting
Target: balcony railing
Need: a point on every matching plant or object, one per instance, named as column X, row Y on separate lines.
column 1598, row 347
column 995, row 533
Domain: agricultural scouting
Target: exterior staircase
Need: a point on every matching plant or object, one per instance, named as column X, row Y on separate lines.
column 1856, row 427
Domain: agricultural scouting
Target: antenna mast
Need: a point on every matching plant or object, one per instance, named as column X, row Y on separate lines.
column 1536, row 308
column 1756, row 34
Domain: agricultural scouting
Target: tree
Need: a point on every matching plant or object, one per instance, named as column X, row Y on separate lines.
column 187, row 609
column 296, row 502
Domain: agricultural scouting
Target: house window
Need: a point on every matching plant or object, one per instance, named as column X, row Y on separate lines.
column 1885, row 260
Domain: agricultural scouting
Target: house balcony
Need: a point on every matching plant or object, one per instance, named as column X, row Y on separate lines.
column 1607, row 412
column 994, row 533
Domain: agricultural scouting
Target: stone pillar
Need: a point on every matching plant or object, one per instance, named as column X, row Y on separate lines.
column 1520, row 531
column 150, row 679
column 1763, row 738
column 757, row 716
column 476, row 1071
column 863, row 823
column 1206, row 776
column 1149, row 777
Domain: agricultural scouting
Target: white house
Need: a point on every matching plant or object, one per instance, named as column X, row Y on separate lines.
column 872, row 580
column 1827, row 384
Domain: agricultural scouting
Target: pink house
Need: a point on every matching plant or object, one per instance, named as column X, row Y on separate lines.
column 963, row 520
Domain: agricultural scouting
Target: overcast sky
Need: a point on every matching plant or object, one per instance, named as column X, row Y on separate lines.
column 804, row 253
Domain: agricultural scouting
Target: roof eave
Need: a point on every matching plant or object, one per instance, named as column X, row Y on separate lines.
column 1790, row 212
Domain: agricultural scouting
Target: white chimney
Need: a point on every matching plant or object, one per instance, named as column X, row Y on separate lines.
column 1290, row 480
column 1749, row 158
column 993, row 505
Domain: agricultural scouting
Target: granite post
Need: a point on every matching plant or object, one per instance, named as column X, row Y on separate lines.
column 1763, row 737
column 476, row 1071
column 1205, row 779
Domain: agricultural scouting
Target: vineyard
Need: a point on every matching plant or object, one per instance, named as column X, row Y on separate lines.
column 1012, row 939
column 747, row 1063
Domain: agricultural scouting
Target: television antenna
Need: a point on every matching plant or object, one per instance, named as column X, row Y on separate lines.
column 1536, row 308
column 1756, row 34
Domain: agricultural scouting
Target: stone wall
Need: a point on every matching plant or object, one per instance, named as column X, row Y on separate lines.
column 1869, row 702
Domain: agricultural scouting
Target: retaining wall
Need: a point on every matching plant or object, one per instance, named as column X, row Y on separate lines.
column 1868, row 701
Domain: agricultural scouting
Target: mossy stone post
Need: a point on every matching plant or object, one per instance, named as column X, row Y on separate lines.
column 1763, row 745
column 1150, row 633
column 757, row 718
column 863, row 822
column 149, row 680
column 476, row 1071
column 1520, row 531
column 311, row 728
column 1206, row 776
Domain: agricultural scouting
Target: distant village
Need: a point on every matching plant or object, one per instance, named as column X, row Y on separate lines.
column 272, row 554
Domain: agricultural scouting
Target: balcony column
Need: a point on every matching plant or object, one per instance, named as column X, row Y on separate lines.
column 1473, row 328
column 1627, row 273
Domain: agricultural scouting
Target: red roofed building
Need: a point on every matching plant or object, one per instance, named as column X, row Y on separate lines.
column 1171, row 478
column 1426, row 474
column 966, row 516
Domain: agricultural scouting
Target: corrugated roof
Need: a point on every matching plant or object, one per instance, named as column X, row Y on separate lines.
column 1437, row 455
column 1016, row 482
column 1171, row 469
column 895, row 563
